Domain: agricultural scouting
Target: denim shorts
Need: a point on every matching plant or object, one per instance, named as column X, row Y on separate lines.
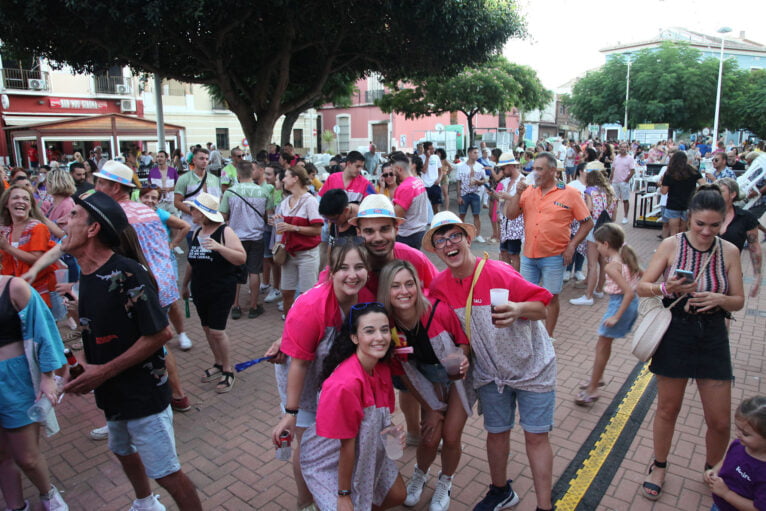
column 513, row 247
column 304, row 419
column 475, row 202
column 435, row 373
column 16, row 392
column 499, row 409
column 674, row 213
column 152, row 437
column 547, row 272
column 626, row 322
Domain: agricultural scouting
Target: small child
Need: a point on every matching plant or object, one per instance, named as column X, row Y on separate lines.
column 622, row 276
column 739, row 481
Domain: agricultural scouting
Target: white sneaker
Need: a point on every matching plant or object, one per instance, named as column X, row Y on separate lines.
column 567, row 276
column 415, row 487
column 265, row 288
column 480, row 239
column 625, row 220
column 598, row 294
column 273, row 296
column 150, row 503
column 53, row 501
column 99, row 433
column 580, row 276
column 440, row 500
column 583, row 300
column 281, row 306
column 184, row 342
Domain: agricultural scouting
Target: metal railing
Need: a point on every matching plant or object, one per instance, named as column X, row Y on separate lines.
column 112, row 85
column 26, row 79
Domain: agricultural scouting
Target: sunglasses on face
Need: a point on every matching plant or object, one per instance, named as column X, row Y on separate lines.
column 362, row 307
column 388, row 174
column 455, row 237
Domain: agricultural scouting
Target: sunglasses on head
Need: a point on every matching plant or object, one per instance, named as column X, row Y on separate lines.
column 359, row 307
column 342, row 241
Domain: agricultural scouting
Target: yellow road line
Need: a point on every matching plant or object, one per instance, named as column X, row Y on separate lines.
column 604, row 445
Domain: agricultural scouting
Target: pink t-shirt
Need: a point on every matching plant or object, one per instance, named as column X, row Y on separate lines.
column 412, row 197
column 347, row 393
column 311, row 318
column 358, row 188
column 621, row 167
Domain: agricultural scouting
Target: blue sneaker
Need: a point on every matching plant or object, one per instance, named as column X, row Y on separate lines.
column 497, row 498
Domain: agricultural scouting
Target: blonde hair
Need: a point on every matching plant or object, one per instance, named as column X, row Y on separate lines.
column 598, row 179
column 59, row 182
column 34, row 211
column 387, row 275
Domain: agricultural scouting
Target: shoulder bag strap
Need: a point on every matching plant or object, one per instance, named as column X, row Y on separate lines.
column 431, row 316
column 201, row 184
column 702, row 270
column 263, row 215
column 469, row 301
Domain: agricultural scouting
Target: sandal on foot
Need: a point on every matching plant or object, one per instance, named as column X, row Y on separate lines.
column 212, row 373
column 648, row 486
column 585, row 399
column 226, row 383
column 584, row 384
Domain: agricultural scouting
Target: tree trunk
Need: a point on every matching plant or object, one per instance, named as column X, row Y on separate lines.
column 287, row 125
column 258, row 132
column 469, row 121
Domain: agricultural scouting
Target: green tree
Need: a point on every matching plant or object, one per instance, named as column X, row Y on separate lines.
column 494, row 87
column 745, row 108
column 670, row 84
column 269, row 57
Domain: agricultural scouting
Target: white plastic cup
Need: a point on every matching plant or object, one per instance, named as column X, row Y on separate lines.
column 62, row 276
column 39, row 411
column 497, row 296
column 392, row 442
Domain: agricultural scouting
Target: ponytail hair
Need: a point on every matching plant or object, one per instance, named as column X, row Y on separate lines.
column 613, row 235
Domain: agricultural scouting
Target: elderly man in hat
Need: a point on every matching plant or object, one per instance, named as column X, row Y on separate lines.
column 123, row 337
column 514, row 364
column 511, row 231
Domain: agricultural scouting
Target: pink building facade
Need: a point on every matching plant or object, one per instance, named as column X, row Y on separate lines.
column 364, row 123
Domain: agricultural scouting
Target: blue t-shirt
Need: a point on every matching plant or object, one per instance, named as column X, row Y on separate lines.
column 164, row 215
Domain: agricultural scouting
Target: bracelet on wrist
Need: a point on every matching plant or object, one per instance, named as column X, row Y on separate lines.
column 344, row 493
column 291, row 411
column 664, row 289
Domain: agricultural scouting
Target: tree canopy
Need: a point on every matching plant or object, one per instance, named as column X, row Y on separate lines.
column 671, row 85
column 269, row 57
column 494, row 87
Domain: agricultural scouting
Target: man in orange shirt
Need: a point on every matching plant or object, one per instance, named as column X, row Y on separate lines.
column 549, row 208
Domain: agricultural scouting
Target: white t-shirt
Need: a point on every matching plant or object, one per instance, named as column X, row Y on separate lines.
column 431, row 174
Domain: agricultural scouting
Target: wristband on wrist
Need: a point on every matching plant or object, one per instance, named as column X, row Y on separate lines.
column 344, row 493
column 664, row 289
column 291, row 411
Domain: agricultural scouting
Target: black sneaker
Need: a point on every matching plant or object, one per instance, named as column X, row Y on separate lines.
column 236, row 313
column 497, row 499
column 254, row 313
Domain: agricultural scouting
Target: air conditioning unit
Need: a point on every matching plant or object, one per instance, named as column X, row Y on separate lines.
column 37, row 84
column 127, row 105
column 121, row 89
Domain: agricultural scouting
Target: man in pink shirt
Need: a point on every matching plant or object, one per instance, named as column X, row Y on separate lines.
column 623, row 168
column 410, row 202
column 357, row 187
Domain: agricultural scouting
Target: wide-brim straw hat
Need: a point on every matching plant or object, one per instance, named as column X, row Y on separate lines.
column 507, row 159
column 441, row 219
column 595, row 165
column 376, row 206
column 207, row 205
column 117, row 172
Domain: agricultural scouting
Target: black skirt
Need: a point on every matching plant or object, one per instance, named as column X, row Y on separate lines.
column 694, row 346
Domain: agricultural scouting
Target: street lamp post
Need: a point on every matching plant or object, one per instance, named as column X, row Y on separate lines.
column 627, row 97
column 722, row 30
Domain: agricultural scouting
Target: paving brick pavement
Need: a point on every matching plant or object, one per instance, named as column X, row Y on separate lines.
column 224, row 445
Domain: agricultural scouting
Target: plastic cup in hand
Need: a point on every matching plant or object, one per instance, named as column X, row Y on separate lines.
column 392, row 441
column 62, row 276
column 497, row 297
column 39, row 411
column 452, row 363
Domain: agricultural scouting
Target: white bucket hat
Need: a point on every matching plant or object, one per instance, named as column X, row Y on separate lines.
column 376, row 206
column 441, row 219
column 507, row 159
column 594, row 165
column 117, row 172
column 207, row 205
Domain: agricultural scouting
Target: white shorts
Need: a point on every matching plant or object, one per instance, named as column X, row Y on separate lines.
column 301, row 271
column 621, row 191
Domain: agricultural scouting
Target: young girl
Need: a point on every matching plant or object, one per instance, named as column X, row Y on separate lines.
column 739, row 481
column 622, row 275
column 342, row 456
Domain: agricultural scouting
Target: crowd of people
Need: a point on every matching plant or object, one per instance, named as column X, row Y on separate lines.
column 369, row 321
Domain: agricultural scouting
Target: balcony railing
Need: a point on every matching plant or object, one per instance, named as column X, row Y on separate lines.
column 372, row 95
column 112, row 85
column 26, row 79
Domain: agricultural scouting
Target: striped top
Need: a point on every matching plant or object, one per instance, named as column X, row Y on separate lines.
column 689, row 258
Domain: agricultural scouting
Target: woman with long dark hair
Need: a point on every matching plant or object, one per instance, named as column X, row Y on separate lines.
column 343, row 457
column 679, row 182
column 704, row 272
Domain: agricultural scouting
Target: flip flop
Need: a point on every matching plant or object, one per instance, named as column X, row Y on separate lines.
column 585, row 399
column 584, row 384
